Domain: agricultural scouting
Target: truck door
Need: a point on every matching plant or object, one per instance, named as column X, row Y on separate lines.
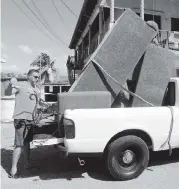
column 175, row 132
column 169, row 100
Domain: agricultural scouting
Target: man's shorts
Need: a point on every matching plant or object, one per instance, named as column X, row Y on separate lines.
column 23, row 131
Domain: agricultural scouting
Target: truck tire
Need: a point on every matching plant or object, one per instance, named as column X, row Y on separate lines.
column 127, row 157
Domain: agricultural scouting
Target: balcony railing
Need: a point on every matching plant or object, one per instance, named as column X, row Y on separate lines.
column 168, row 39
column 96, row 41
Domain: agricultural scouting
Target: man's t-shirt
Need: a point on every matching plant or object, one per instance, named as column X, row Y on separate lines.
column 25, row 101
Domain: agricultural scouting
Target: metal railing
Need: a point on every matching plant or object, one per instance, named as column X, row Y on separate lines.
column 86, row 52
column 94, row 43
column 165, row 39
column 168, row 39
column 96, row 40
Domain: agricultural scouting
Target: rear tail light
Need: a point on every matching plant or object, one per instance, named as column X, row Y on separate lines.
column 69, row 127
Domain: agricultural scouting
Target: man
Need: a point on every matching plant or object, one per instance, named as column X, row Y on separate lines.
column 25, row 103
column 154, row 26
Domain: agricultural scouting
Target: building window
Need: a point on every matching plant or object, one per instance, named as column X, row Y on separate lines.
column 106, row 13
column 175, row 24
column 95, row 27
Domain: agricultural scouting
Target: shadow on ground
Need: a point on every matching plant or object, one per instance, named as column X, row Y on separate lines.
column 163, row 158
column 50, row 165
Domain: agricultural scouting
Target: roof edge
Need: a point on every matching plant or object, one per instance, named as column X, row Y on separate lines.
column 78, row 22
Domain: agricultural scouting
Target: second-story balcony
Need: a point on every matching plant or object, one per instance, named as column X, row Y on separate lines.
column 166, row 39
column 95, row 41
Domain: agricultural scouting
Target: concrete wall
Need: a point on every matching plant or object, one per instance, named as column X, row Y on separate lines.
column 6, row 88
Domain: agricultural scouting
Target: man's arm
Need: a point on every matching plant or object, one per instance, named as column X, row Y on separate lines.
column 41, row 102
column 15, row 85
column 15, row 90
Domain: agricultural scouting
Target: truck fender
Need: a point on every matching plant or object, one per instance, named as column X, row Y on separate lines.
column 136, row 132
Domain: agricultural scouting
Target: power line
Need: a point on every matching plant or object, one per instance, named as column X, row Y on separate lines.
column 31, row 19
column 35, row 15
column 174, row 1
column 51, row 31
column 68, row 8
column 57, row 10
column 47, row 24
column 41, row 15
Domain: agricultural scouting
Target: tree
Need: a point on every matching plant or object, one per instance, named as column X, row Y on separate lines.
column 46, row 65
column 42, row 60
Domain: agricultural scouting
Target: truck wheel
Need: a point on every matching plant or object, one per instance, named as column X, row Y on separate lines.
column 127, row 157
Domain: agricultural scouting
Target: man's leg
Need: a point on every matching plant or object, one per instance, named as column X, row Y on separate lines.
column 15, row 159
column 26, row 151
column 20, row 134
column 18, row 143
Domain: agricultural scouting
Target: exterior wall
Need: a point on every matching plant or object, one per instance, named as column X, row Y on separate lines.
column 161, row 7
column 164, row 6
column 6, row 89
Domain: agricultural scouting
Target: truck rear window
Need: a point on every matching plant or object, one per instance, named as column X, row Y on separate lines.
column 169, row 97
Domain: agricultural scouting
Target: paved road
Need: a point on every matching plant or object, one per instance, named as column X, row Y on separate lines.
column 53, row 172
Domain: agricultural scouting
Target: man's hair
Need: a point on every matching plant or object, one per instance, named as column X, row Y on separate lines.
column 32, row 71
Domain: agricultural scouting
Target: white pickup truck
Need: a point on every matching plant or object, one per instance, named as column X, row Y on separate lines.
column 124, row 135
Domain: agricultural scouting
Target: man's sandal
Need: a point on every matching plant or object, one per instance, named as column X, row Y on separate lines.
column 10, row 175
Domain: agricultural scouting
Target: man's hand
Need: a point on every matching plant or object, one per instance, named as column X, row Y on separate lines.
column 45, row 107
column 43, row 103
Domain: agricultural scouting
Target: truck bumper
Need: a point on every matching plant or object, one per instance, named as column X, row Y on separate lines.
column 85, row 146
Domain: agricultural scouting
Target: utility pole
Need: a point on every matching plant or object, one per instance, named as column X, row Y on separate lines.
column 40, row 69
column 142, row 9
column 112, row 13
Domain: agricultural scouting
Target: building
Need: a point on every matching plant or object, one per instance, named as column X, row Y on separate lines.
column 97, row 16
column 50, row 91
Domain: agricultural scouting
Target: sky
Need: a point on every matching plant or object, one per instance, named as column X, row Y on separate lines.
column 22, row 41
